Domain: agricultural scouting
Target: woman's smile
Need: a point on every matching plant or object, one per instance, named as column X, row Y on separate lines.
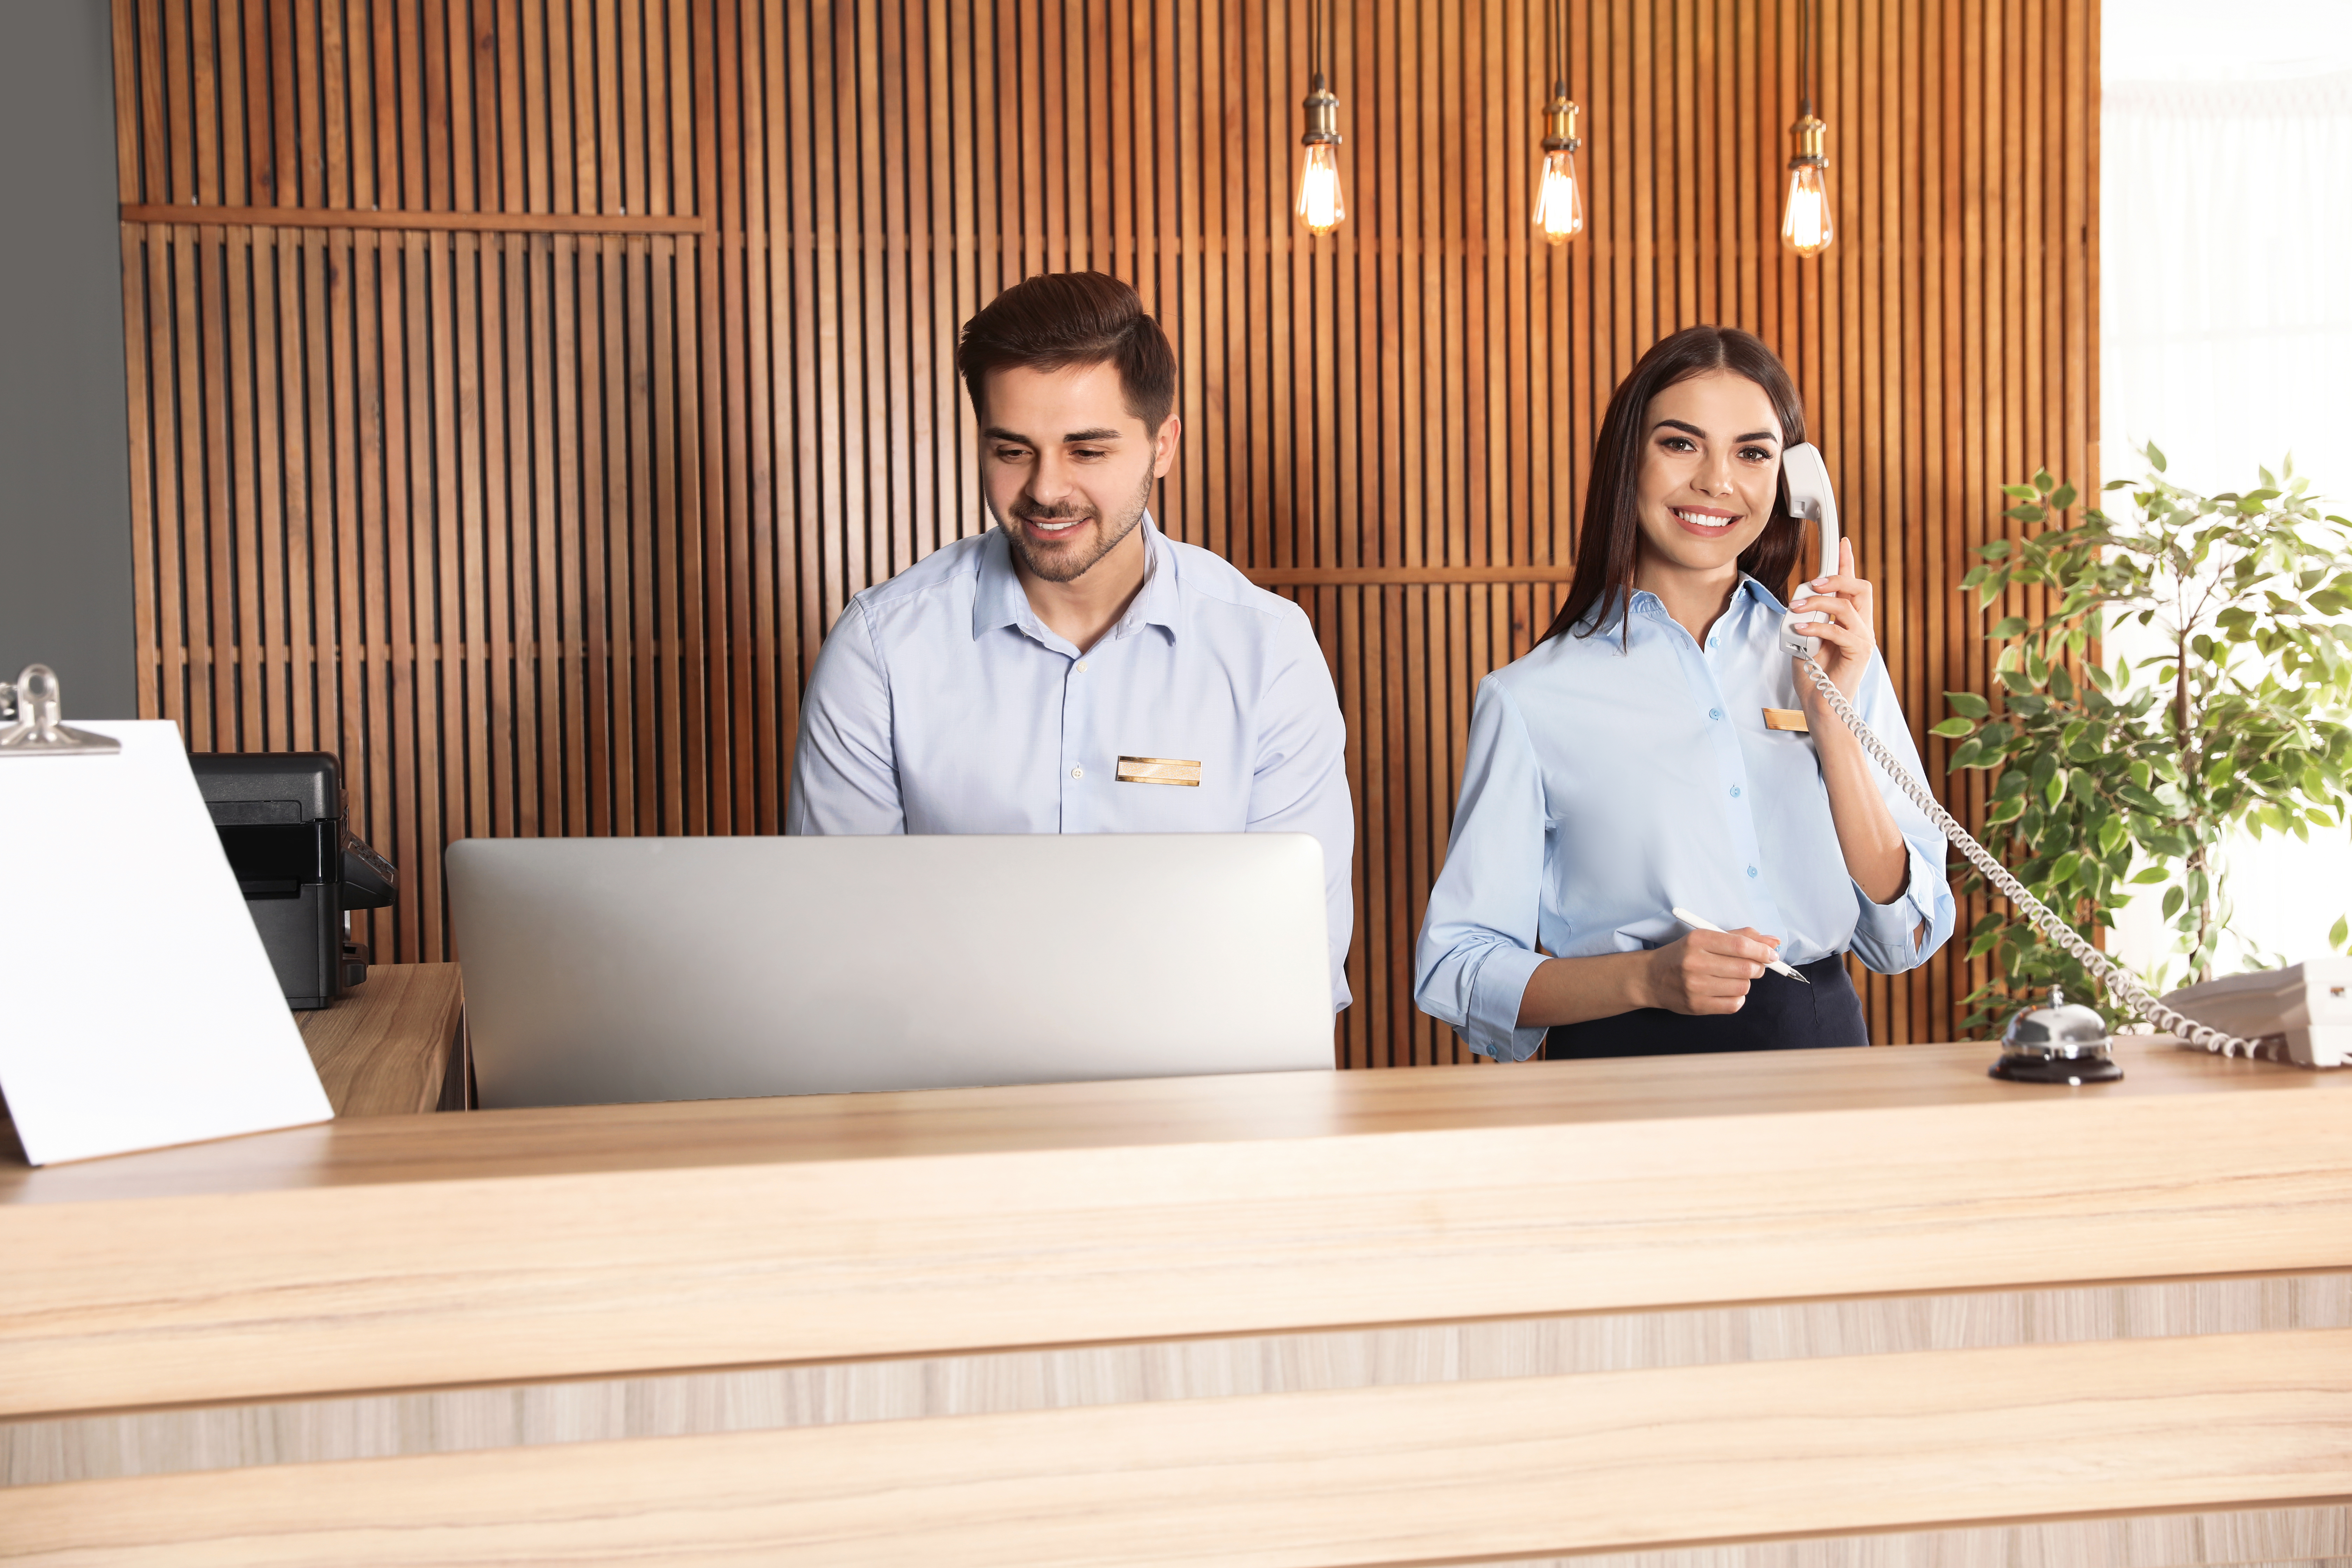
column 1707, row 522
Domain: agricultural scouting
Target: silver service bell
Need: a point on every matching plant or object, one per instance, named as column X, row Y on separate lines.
column 2061, row 1043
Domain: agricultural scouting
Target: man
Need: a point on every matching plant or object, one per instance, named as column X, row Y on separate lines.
column 1073, row 669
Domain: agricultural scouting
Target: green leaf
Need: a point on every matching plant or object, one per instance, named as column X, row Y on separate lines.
column 2020, row 492
column 2155, row 457
column 2151, row 875
column 2027, row 513
column 2062, row 496
column 2338, row 932
column 1968, row 704
column 2008, row 810
column 1951, row 729
column 2172, row 902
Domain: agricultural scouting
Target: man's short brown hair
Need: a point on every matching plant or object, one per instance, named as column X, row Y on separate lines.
column 1060, row 320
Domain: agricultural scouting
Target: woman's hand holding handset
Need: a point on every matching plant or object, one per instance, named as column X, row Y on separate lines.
column 1848, row 636
column 1876, row 854
column 1708, row 971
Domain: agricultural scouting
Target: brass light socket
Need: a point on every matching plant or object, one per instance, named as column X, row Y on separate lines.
column 1811, row 134
column 1322, row 106
column 1560, row 118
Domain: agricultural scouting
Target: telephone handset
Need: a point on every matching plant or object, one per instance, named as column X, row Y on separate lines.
column 1807, row 477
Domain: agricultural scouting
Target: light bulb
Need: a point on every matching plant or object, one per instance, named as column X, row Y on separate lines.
column 1559, row 206
column 1320, row 203
column 1805, row 228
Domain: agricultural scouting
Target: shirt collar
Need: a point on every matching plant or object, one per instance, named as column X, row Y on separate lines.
column 998, row 599
column 1747, row 589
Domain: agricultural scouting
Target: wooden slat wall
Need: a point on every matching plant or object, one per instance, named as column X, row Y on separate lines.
column 520, row 387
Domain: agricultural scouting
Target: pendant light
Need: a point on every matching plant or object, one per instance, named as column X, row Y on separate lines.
column 1560, row 204
column 1805, row 226
column 1319, row 204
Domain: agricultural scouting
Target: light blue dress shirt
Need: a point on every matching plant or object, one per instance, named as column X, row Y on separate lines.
column 1608, row 780
column 942, row 704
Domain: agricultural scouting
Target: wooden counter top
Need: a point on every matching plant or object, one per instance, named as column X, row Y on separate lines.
column 1143, row 1113
column 695, row 1254
column 582, row 1241
column 389, row 1047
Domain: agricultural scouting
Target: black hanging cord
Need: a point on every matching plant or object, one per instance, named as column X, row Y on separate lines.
column 1805, row 54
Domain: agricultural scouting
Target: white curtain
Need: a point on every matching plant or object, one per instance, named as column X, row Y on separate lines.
column 2226, row 318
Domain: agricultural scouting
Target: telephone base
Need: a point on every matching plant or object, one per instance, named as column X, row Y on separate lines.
column 2301, row 1014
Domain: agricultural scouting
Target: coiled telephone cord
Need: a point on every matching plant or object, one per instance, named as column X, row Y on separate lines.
column 2181, row 1027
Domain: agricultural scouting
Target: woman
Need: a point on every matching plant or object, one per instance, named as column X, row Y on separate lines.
column 1625, row 767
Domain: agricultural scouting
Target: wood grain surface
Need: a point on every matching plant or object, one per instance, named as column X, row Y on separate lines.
column 1379, row 1476
column 121, row 1444
column 500, row 1247
column 538, row 518
column 384, row 1048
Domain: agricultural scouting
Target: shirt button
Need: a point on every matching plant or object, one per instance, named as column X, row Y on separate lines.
column 1080, row 667
column 1751, row 871
column 1715, row 642
column 1081, row 772
column 1715, row 712
column 1734, row 792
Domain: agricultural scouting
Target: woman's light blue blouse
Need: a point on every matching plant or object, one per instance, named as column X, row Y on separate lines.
column 1608, row 780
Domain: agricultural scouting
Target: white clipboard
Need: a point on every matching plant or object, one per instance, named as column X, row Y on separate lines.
column 144, row 1011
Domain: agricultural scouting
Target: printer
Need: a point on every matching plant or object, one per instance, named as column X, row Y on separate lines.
column 280, row 816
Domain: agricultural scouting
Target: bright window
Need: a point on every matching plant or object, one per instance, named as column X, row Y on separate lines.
column 2226, row 316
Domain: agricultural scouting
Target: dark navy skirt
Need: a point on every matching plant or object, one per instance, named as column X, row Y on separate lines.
column 1781, row 1014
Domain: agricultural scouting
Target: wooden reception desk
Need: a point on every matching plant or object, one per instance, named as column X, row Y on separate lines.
column 1833, row 1307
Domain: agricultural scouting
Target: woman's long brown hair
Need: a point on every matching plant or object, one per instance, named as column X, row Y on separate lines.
column 1609, row 535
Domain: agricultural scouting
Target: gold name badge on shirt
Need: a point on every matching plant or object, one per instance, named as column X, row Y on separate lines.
column 1787, row 719
column 1160, row 770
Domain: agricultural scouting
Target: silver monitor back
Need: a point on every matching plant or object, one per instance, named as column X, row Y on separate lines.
column 608, row 970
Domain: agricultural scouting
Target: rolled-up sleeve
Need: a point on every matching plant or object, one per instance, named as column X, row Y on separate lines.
column 1478, row 948
column 1300, row 780
column 845, row 771
column 1893, row 937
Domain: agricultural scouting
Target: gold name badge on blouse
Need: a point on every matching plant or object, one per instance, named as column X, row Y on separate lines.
column 1160, row 770
column 1787, row 719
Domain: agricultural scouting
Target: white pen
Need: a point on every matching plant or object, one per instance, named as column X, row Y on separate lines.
column 1696, row 923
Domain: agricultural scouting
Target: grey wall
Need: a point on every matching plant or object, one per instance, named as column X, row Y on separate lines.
column 65, row 505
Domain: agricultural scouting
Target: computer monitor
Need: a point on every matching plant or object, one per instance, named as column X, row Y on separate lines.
column 602, row 971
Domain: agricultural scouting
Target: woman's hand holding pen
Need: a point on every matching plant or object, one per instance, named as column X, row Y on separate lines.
column 1708, row 971
column 1848, row 635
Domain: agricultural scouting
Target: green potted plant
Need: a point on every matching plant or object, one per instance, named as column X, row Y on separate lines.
column 2135, row 772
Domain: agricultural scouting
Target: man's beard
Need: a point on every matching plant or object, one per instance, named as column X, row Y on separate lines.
column 1065, row 563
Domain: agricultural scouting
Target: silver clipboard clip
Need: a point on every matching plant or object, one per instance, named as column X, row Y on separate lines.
column 37, row 731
